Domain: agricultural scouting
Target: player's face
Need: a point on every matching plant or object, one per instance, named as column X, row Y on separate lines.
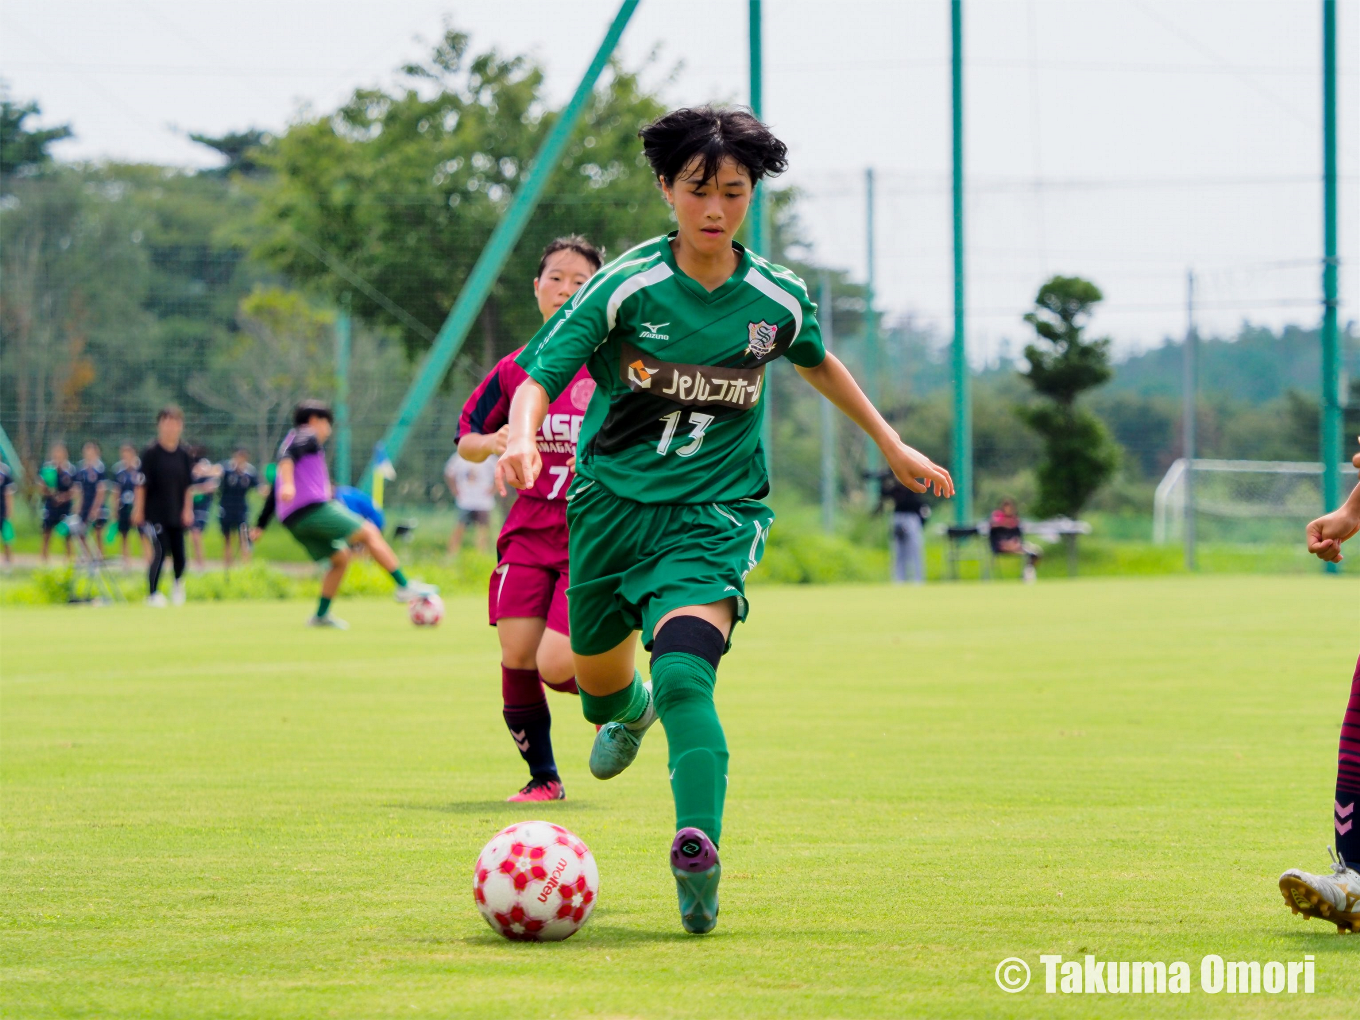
column 321, row 427
column 709, row 212
column 59, row 454
column 168, row 431
column 562, row 277
column 128, row 454
column 90, row 453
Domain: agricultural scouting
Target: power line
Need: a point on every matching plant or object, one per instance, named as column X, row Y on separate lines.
column 1256, row 86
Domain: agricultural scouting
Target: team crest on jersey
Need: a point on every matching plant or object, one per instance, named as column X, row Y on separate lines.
column 762, row 336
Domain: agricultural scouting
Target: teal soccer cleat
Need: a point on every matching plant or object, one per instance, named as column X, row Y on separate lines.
column 616, row 745
column 694, row 863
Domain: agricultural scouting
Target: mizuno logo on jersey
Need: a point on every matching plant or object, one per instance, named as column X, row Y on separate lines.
column 691, row 385
column 652, row 331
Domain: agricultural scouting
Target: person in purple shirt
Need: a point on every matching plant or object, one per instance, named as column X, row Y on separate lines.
column 303, row 500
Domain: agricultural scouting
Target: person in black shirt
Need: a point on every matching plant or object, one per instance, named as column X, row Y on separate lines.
column 907, row 537
column 1007, row 537
column 238, row 478
column 164, row 503
column 127, row 475
column 91, row 477
column 56, row 482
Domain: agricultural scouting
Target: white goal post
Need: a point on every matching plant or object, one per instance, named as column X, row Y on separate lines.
column 1283, row 489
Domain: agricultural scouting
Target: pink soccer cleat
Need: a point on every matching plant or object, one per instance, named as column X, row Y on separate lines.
column 539, row 789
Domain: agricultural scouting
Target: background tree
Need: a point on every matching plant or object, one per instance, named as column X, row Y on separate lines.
column 402, row 188
column 240, row 149
column 281, row 354
column 1079, row 455
column 22, row 150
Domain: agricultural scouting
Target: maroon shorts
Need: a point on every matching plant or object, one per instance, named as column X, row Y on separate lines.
column 531, row 575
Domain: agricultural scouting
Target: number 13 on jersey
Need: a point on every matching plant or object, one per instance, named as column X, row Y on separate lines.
column 700, row 423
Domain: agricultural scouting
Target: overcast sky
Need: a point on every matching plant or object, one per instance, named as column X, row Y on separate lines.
column 1122, row 140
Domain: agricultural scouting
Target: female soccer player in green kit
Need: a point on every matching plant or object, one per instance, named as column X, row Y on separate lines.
column 665, row 516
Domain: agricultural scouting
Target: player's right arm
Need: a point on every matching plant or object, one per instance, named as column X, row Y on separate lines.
column 521, row 462
column 552, row 359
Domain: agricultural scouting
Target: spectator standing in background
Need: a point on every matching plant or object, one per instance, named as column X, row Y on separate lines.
column 1007, row 538
column 907, row 537
column 6, row 511
column 205, row 477
column 127, row 475
column 56, row 482
column 164, row 508
column 238, row 476
column 93, row 482
column 474, row 493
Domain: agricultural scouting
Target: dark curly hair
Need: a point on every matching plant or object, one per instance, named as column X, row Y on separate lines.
column 712, row 134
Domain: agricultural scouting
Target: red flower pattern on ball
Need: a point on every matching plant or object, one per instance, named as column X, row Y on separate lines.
column 535, row 882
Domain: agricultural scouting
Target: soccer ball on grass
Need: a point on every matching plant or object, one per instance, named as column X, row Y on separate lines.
column 535, row 882
column 426, row 611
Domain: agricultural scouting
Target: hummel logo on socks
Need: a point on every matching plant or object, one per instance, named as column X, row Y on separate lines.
column 521, row 741
column 1344, row 812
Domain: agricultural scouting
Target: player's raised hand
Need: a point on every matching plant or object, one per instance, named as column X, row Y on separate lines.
column 918, row 472
column 519, row 465
column 1326, row 534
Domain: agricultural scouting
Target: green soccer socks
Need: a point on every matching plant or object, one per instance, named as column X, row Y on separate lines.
column 625, row 706
column 683, row 688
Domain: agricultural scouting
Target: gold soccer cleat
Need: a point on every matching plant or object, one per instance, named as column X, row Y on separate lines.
column 1334, row 897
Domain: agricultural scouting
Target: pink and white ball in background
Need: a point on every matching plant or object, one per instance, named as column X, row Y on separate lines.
column 536, row 882
column 426, row 611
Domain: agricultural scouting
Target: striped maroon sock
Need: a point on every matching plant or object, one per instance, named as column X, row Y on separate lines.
column 1348, row 779
column 528, row 720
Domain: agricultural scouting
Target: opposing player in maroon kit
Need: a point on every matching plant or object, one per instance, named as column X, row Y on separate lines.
column 528, row 595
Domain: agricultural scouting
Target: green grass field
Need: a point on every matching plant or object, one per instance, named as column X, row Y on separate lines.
column 257, row 820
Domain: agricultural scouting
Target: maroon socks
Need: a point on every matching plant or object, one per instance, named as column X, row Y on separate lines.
column 1346, row 820
column 527, row 718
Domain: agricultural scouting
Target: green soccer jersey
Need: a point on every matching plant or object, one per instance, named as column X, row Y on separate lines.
column 679, row 372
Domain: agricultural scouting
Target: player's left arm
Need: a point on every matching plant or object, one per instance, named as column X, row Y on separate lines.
column 914, row 469
column 1328, row 532
column 187, row 513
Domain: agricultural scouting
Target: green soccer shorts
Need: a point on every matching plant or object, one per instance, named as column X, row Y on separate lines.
column 632, row 563
column 325, row 530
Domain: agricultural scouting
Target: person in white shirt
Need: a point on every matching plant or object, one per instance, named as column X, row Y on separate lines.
column 474, row 493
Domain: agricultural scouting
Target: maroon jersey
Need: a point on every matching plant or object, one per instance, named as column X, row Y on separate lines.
column 489, row 406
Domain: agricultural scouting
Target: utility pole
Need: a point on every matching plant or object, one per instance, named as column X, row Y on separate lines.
column 828, row 415
column 1331, row 367
column 1189, row 389
column 872, row 367
column 343, row 332
column 759, row 215
column 962, row 460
